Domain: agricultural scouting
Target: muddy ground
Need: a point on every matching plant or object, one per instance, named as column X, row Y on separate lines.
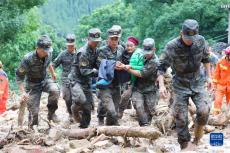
column 49, row 140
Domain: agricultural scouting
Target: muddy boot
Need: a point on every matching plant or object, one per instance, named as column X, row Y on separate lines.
column 76, row 113
column 53, row 117
column 33, row 120
column 71, row 120
column 198, row 132
column 120, row 115
column 101, row 121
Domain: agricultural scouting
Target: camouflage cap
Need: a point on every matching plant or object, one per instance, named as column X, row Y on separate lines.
column 70, row 39
column 148, row 44
column 94, row 34
column 190, row 29
column 114, row 31
column 45, row 42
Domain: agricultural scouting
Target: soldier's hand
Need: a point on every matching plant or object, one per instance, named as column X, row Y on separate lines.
column 163, row 92
column 119, row 65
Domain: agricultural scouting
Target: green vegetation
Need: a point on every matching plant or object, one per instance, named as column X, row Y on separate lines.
column 22, row 21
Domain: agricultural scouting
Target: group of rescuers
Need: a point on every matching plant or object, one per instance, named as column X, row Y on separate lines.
column 185, row 55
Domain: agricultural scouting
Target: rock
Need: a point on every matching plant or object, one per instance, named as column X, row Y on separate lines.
column 49, row 142
column 103, row 144
column 55, row 134
column 79, row 143
column 141, row 149
column 60, row 148
column 209, row 128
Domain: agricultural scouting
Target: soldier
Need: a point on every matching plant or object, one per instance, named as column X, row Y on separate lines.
column 110, row 97
column 185, row 55
column 144, row 96
column 83, row 70
column 66, row 59
column 118, row 28
column 33, row 69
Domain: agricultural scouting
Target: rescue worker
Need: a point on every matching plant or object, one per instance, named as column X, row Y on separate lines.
column 144, row 90
column 33, row 70
column 4, row 93
column 185, row 54
column 65, row 59
column 221, row 82
column 83, row 69
column 110, row 97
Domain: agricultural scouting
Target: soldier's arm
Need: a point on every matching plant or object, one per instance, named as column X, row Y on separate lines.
column 205, row 60
column 52, row 72
column 149, row 69
column 164, row 63
column 84, row 66
column 20, row 74
column 100, row 57
column 57, row 61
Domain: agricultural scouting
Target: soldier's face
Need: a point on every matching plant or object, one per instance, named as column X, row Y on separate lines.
column 113, row 42
column 188, row 42
column 93, row 44
column 70, row 48
column 42, row 53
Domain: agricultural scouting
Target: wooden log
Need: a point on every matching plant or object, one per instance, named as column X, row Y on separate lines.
column 79, row 133
column 219, row 120
column 125, row 131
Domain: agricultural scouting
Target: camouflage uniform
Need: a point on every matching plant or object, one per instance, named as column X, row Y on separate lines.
column 65, row 59
column 81, row 75
column 144, row 92
column 34, row 71
column 185, row 62
column 110, row 97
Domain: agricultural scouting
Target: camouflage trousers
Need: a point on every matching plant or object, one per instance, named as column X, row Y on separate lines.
column 110, row 99
column 82, row 100
column 180, row 105
column 144, row 103
column 36, row 90
column 66, row 92
column 125, row 99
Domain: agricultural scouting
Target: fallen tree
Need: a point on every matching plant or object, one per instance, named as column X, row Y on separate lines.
column 123, row 131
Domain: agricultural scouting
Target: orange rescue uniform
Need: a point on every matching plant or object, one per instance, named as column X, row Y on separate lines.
column 222, row 81
column 3, row 91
